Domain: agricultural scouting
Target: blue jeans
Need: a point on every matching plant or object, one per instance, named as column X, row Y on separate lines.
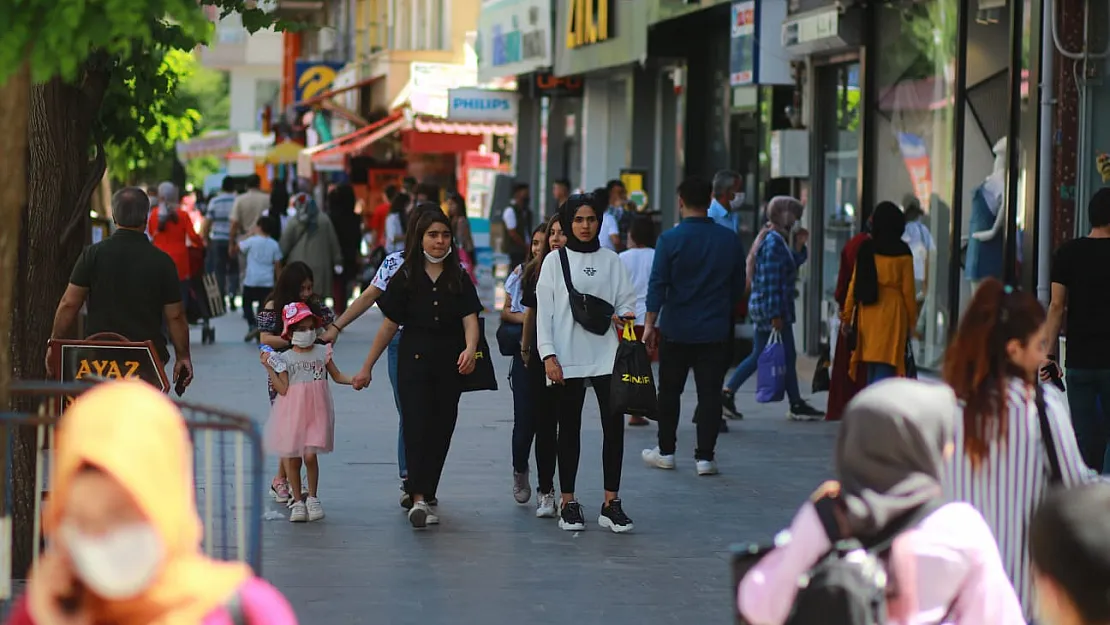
column 402, row 467
column 524, row 423
column 1088, row 397
column 878, row 371
column 751, row 363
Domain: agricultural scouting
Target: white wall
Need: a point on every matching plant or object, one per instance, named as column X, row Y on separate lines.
column 606, row 129
column 243, row 84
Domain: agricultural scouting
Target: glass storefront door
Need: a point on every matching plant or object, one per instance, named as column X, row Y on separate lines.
column 840, row 133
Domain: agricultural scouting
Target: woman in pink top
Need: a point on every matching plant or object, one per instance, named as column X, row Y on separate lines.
column 123, row 531
column 889, row 458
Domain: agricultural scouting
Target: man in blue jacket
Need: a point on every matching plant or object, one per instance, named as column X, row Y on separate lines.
column 696, row 279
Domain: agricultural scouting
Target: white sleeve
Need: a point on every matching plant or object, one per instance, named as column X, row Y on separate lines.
column 545, row 306
column 509, row 217
column 386, row 271
column 392, row 228
column 609, row 227
column 624, row 290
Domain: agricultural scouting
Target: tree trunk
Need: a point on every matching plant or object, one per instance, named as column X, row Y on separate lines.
column 15, row 97
column 63, row 171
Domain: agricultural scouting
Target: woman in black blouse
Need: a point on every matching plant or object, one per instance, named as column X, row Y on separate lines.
column 435, row 300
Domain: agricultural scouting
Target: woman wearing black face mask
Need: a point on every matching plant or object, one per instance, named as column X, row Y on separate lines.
column 572, row 354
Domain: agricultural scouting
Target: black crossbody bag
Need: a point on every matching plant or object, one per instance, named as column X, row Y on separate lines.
column 592, row 313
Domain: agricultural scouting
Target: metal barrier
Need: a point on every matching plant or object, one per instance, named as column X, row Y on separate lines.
column 227, row 468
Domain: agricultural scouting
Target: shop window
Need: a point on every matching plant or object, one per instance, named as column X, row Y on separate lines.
column 913, row 130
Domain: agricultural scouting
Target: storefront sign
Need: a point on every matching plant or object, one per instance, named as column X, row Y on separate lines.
column 812, row 27
column 915, row 154
column 514, row 37
column 743, row 48
column 548, row 84
column 428, row 86
column 314, row 78
column 470, row 104
column 106, row 360
column 588, row 22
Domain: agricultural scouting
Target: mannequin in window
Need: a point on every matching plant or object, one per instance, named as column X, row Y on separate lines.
column 988, row 217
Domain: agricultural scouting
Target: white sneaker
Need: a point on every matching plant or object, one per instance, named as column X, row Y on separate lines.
column 522, row 492
column 657, row 459
column 418, row 515
column 707, row 467
column 433, row 518
column 298, row 512
column 315, row 510
column 545, row 506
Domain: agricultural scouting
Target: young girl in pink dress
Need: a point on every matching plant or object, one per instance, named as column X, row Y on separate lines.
column 302, row 419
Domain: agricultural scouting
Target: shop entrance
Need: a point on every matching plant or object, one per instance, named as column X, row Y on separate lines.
column 837, row 213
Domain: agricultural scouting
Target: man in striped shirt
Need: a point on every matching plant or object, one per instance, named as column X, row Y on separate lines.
column 217, row 229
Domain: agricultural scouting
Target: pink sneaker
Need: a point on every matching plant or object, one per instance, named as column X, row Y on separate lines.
column 279, row 489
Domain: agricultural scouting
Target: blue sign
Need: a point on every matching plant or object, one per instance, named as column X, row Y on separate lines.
column 482, row 105
column 314, row 78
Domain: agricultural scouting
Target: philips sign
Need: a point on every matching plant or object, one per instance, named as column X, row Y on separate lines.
column 482, row 105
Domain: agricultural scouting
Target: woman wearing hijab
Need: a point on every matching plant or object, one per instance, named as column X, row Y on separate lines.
column 773, row 271
column 122, row 527
column 348, row 228
column 310, row 238
column 890, row 453
column 571, row 354
column 843, row 386
column 881, row 305
column 171, row 230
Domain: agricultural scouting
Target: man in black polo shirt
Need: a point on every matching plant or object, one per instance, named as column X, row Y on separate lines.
column 128, row 285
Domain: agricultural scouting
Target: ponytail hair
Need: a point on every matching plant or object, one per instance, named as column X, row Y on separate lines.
column 977, row 366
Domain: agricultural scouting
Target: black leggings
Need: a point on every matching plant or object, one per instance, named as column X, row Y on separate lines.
column 429, row 388
column 545, row 423
column 570, row 398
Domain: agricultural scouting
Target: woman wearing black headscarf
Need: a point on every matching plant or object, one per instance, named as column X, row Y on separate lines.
column 881, row 304
column 341, row 209
column 572, row 353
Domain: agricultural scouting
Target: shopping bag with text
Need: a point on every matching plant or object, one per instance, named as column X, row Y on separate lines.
column 633, row 388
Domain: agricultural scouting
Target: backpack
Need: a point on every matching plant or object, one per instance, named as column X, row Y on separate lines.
column 848, row 586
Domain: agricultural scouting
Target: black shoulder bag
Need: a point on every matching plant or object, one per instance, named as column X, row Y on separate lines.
column 592, row 313
column 1056, row 477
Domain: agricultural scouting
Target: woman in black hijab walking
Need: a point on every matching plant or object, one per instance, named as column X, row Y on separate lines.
column 881, row 304
column 572, row 353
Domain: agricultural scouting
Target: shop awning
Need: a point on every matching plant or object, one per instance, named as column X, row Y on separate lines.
column 331, row 156
column 449, row 127
column 284, row 153
column 213, row 144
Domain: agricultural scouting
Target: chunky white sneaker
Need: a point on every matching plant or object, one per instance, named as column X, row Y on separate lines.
column 298, row 512
column 657, row 459
column 315, row 510
column 707, row 467
column 433, row 518
column 522, row 491
column 545, row 506
column 418, row 515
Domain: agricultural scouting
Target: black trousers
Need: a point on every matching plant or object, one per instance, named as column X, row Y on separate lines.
column 429, row 386
column 570, row 398
column 544, row 422
column 253, row 296
column 709, row 362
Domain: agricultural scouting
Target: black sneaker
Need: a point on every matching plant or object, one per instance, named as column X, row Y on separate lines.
column 614, row 519
column 724, row 427
column 571, row 519
column 406, row 498
column 802, row 411
column 728, row 403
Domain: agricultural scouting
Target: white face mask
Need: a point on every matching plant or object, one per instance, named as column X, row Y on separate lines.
column 737, row 201
column 117, row 565
column 435, row 261
column 304, row 338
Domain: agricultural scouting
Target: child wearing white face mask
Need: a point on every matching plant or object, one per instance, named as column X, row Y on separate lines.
column 302, row 419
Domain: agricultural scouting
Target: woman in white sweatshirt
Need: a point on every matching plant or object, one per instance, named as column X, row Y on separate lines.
column 572, row 354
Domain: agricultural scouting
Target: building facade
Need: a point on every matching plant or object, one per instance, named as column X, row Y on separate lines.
column 253, row 65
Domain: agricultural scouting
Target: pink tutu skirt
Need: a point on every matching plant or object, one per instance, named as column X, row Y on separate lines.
column 302, row 421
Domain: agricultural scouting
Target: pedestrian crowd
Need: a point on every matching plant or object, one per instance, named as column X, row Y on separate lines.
column 973, row 499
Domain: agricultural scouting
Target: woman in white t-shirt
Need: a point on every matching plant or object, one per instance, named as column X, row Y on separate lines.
column 637, row 260
column 395, row 223
column 572, row 354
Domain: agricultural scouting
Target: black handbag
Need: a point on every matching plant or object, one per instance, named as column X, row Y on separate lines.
column 508, row 338
column 851, row 332
column 911, row 362
column 483, row 378
column 592, row 313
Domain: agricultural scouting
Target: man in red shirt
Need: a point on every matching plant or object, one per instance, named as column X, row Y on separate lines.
column 376, row 222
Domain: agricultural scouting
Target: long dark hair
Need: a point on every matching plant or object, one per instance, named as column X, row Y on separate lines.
column 977, row 366
column 534, row 263
column 287, row 289
column 453, row 273
column 398, row 205
column 887, row 226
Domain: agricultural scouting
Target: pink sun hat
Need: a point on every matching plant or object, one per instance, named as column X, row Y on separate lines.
column 293, row 314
